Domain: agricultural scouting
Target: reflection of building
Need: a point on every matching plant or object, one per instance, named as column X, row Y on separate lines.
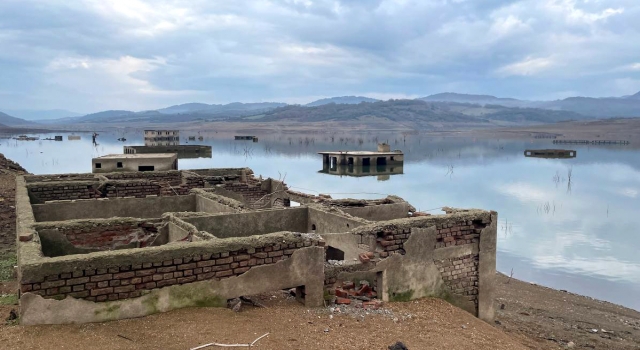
column 135, row 162
column 183, row 151
column 161, row 137
column 383, row 172
column 246, row 138
column 550, row 153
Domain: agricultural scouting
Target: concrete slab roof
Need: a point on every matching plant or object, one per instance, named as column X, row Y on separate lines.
column 137, row 155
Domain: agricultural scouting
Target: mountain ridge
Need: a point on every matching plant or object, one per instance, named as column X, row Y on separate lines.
column 341, row 100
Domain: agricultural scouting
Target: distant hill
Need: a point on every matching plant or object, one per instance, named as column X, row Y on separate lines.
column 13, row 121
column 203, row 108
column 477, row 99
column 175, row 114
column 341, row 100
column 417, row 113
column 608, row 107
column 36, row 115
column 636, row 96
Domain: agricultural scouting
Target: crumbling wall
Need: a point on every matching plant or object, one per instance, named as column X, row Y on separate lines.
column 216, row 268
column 389, row 208
column 325, row 220
column 415, row 261
column 149, row 207
column 253, row 194
column 251, row 223
column 81, row 237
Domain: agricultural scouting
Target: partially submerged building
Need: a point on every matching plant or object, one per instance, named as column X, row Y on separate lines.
column 97, row 247
column 183, row 151
column 550, row 153
column 384, row 156
column 135, row 162
column 161, row 137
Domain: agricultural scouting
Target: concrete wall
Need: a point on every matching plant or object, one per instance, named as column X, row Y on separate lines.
column 108, row 165
column 326, row 222
column 381, row 212
column 150, row 207
column 252, row 223
column 207, row 205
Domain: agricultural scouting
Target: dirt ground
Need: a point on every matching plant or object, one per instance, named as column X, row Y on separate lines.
column 434, row 324
column 558, row 317
column 533, row 317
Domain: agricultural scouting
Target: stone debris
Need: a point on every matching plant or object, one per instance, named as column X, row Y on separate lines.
column 398, row 346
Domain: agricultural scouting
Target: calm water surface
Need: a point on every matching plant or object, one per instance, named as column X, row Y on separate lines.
column 577, row 235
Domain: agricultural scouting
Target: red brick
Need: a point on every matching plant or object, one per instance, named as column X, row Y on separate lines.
column 124, row 275
column 343, row 301
column 341, row 293
column 242, row 257
column 224, row 261
column 167, row 282
column 224, row 273
column 187, row 266
column 186, row 279
column 125, row 289
column 101, row 291
column 276, row 253
column 147, row 272
column 241, row 270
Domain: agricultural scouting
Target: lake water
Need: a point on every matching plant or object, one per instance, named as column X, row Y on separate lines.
column 576, row 235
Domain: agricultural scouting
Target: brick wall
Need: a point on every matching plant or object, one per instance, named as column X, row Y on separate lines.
column 460, row 275
column 251, row 193
column 68, row 191
column 129, row 281
column 172, row 177
column 459, row 233
column 108, row 236
column 392, row 241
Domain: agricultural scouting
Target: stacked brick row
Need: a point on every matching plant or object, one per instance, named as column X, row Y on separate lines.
column 173, row 177
column 69, row 191
column 460, row 275
column 109, row 236
column 392, row 241
column 453, row 234
column 138, row 189
column 131, row 281
column 251, row 193
column 132, row 189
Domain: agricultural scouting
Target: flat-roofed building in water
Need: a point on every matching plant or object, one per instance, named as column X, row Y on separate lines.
column 161, row 137
column 135, row 162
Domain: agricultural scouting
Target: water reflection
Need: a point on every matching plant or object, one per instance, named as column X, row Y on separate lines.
column 580, row 238
column 383, row 172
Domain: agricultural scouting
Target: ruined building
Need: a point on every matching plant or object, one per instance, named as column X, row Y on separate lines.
column 97, row 247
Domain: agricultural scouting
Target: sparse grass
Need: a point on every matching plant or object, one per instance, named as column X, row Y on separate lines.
column 9, row 299
column 7, row 262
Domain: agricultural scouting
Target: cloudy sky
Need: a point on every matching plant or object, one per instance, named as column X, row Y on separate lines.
column 90, row 55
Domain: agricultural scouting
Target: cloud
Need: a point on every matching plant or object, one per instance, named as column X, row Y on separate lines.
column 294, row 50
column 528, row 66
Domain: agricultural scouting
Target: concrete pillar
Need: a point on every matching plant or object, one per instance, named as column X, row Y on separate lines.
column 487, row 270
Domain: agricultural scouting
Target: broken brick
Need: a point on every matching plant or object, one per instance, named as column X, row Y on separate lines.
column 343, row 301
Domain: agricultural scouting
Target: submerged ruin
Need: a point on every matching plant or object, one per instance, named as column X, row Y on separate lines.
column 99, row 247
